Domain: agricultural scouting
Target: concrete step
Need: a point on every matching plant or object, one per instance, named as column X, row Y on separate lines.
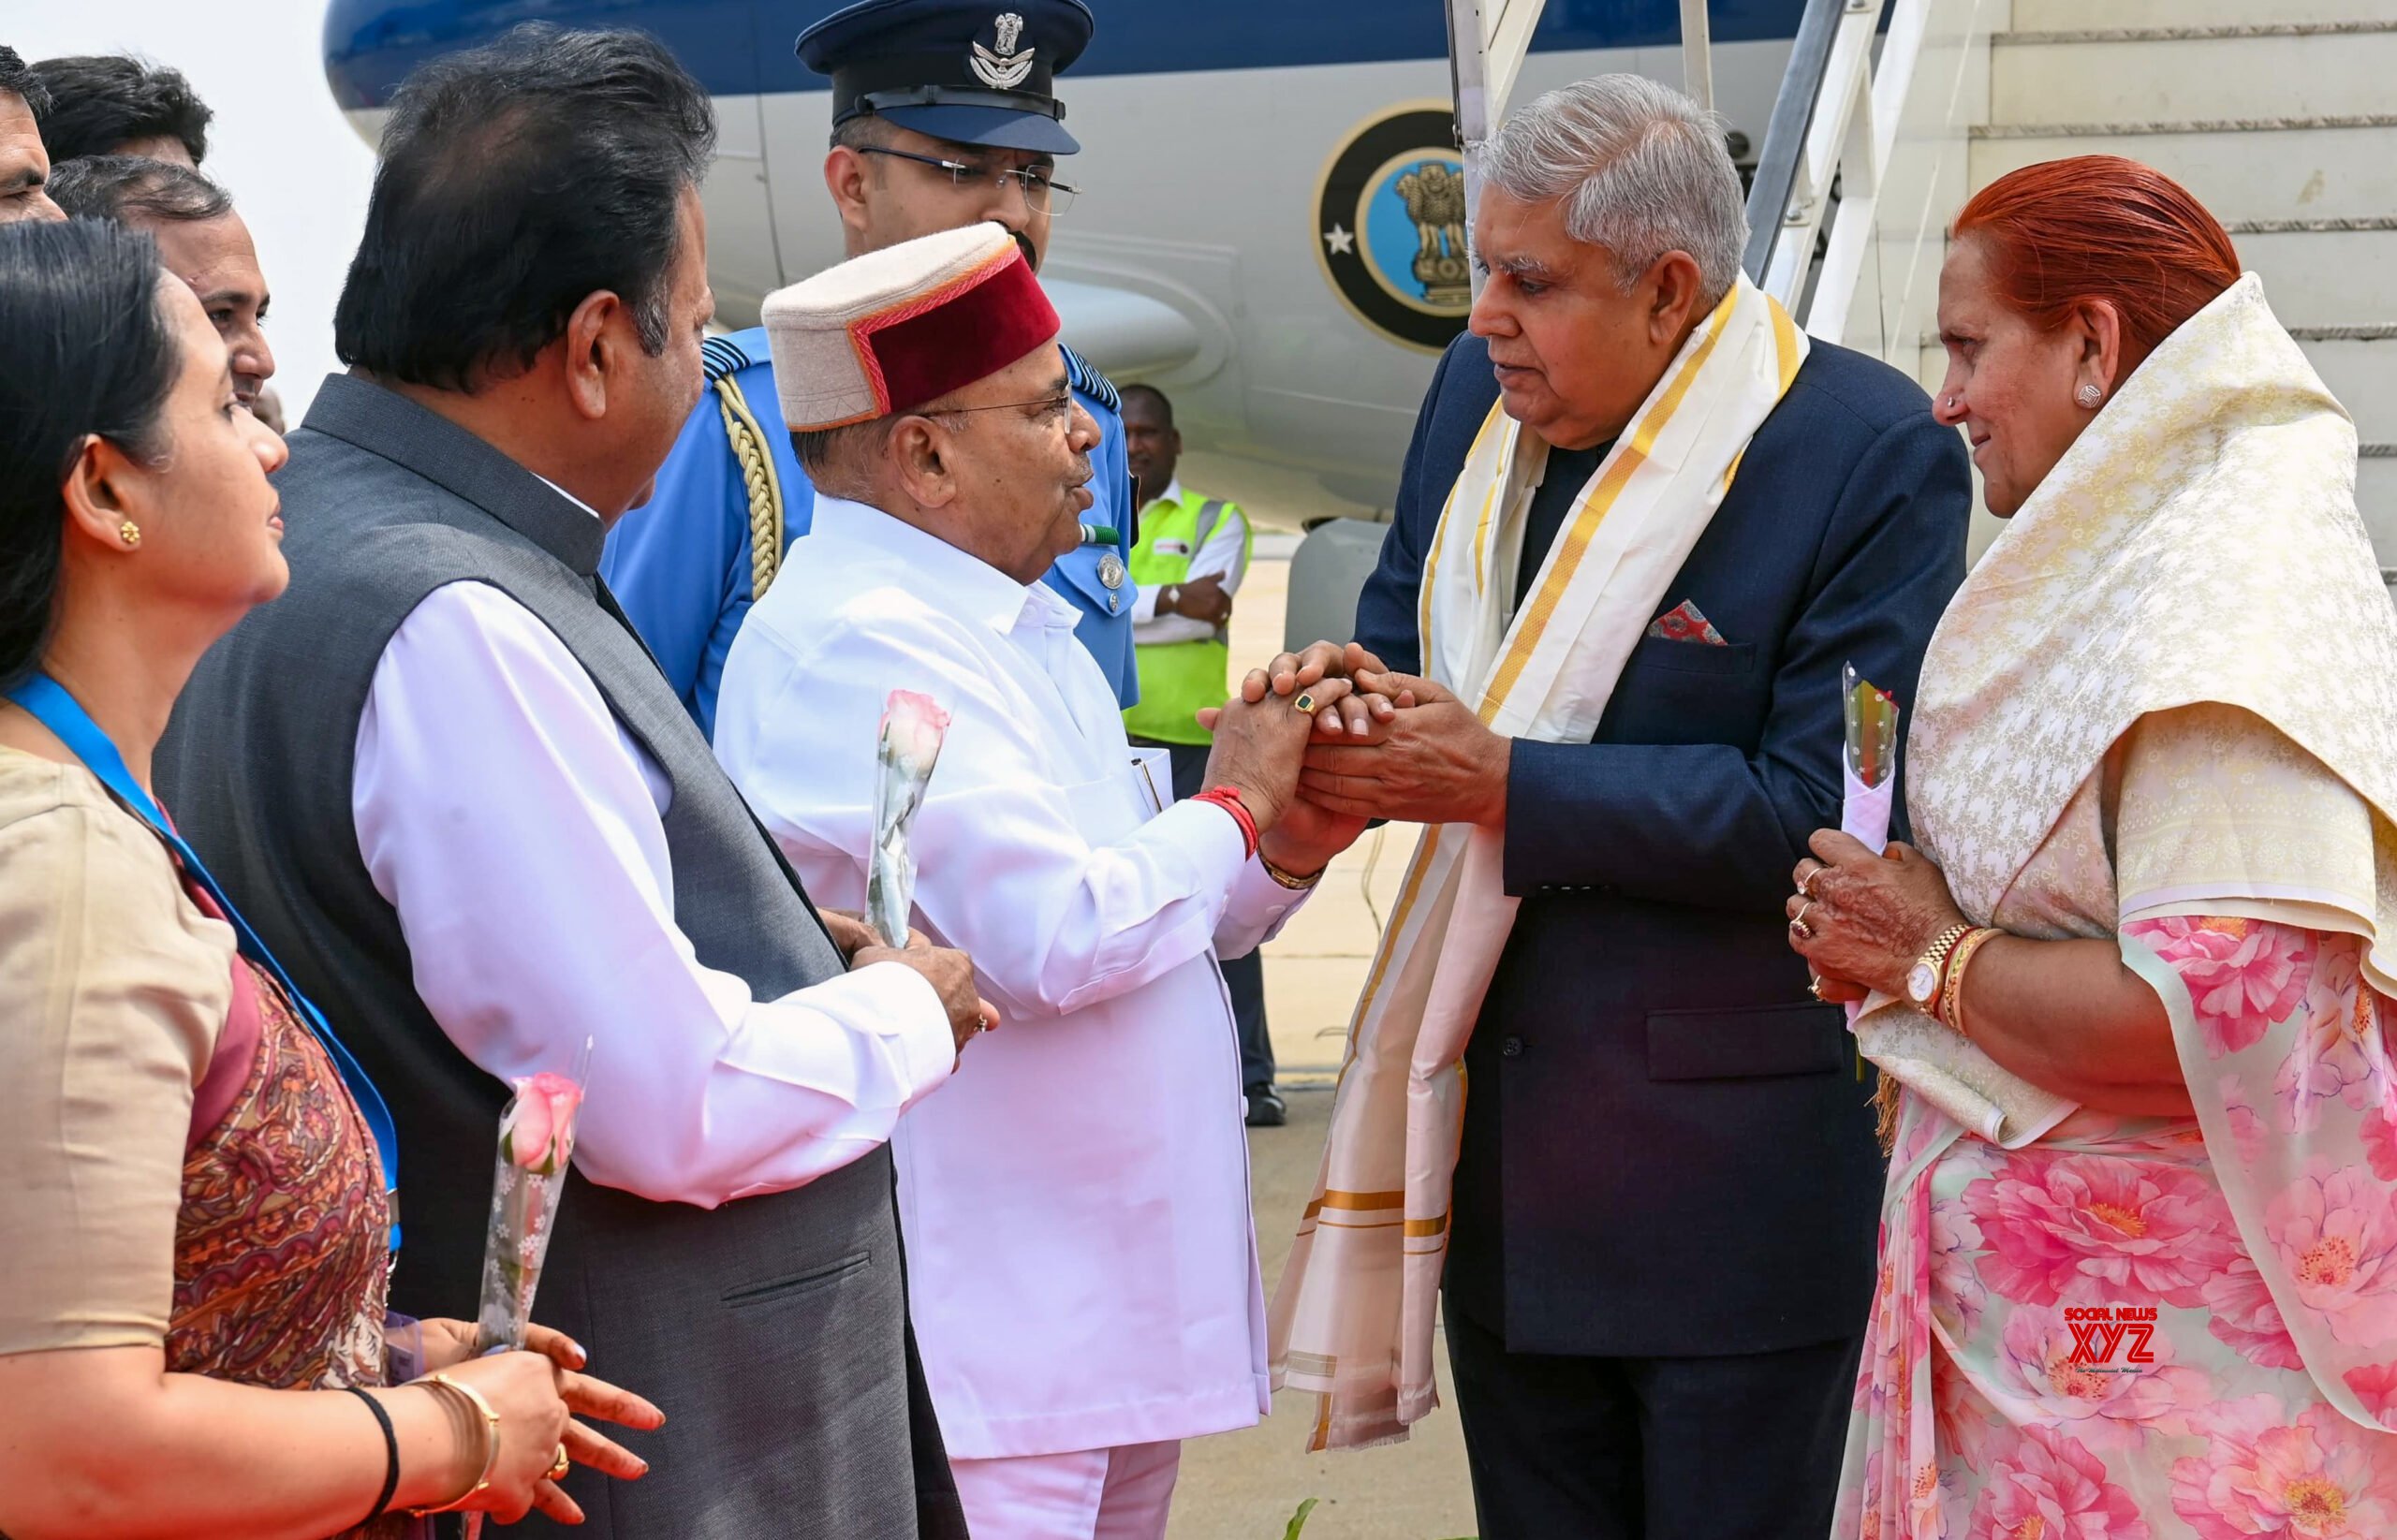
column 2377, row 496
column 2315, row 278
column 2334, row 168
column 2322, row 277
column 2263, row 70
column 2061, row 14
column 2362, row 373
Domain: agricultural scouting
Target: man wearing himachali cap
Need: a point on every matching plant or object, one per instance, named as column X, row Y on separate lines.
column 945, row 114
column 1085, row 1290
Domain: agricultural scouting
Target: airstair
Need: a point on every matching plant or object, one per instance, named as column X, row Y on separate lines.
column 2276, row 113
column 2278, row 116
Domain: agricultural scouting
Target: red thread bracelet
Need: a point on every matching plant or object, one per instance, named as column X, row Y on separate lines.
column 1227, row 797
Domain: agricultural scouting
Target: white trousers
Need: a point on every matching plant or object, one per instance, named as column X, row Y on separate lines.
column 1093, row 1495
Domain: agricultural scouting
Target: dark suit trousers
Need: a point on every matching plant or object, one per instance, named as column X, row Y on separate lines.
column 1743, row 1447
column 1244, row 976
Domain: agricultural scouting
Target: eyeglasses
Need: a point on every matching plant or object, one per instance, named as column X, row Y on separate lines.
column 1042, row 192
column 1060, row 406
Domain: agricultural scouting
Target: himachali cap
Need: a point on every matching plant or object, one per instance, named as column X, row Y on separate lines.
column 904, row 326
column 969, row 71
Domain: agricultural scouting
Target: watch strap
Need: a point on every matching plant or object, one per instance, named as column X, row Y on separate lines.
column 1951, row 1012
column 1934, row 957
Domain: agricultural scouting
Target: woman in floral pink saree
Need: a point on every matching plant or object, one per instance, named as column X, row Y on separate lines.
column 2138, row 1252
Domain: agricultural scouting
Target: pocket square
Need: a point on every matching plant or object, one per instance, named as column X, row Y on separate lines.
column 1684, row 621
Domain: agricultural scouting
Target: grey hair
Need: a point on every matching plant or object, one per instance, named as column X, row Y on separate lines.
column 841, row 461
column 1642, row 168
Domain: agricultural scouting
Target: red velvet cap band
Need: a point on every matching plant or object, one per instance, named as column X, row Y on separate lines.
column 968, row 329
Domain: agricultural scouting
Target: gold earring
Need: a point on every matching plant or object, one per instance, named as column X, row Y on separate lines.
column 130, row 533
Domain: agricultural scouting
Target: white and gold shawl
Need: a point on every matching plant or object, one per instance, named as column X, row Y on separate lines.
column 2197, row 545
column 1352, row 1318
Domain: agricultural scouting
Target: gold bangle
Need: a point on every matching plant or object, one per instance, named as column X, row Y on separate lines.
column 491, row 1441
column 1951, row 990
column 1291, row 880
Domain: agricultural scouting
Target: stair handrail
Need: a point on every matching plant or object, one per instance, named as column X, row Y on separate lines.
column 1838, row 143
column 1803, row 81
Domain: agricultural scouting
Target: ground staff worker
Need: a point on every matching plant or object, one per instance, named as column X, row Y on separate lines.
column 943, row 116
column 1192, row 554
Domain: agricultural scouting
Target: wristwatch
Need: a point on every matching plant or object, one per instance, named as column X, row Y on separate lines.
column 1924, row 977
column 1170, row 599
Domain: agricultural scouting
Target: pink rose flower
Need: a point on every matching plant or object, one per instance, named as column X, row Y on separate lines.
column 2378, row 1131
column 2335, row 1234
column 2247, row 1123
column 2048, row 1487
column 2375, row 1386
column 2328, row 1061
column 2264, row 1478
column 2099, row 1229
column 1956, row 1290
column 2110, row 1404
column 2244, row 976
column 913, row 724
column 1962, row 1421
column 2245, row 1318
column 540, row 1130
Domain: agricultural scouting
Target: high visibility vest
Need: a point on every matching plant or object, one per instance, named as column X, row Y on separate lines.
column 1179, row 678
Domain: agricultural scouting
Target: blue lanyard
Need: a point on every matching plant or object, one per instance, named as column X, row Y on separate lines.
column 50, row 703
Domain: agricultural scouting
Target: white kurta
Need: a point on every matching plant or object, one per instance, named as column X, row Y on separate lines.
column 1075, row 1201
column 519, row 830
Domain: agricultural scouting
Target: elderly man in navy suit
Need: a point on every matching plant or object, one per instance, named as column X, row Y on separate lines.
column 1646, row 522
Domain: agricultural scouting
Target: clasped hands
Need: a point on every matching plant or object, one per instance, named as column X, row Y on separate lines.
column 1385, row 744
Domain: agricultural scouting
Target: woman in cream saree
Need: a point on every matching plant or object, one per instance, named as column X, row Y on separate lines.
column 2139, row 1253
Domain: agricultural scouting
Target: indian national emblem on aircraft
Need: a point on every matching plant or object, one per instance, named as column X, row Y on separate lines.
column 1002, row 68
column 1434, row 192
column 1389, row 226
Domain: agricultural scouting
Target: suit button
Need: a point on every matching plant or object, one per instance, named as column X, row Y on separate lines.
column 1512, row 1048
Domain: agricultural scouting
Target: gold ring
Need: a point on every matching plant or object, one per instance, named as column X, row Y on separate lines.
column 1305, row 704
column 1814, row 985
column 565, row 1463
column 1798, row 921
column 1806, row 888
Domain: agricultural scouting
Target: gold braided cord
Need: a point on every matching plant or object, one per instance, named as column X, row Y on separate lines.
column 764, row 487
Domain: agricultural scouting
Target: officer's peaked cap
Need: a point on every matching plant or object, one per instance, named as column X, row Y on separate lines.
column 978, row 73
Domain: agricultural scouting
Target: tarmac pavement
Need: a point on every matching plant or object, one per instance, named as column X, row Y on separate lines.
column 1245, row 1484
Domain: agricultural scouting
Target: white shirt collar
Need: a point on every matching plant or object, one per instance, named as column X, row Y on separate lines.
column 1173, row 492
column 957, row 578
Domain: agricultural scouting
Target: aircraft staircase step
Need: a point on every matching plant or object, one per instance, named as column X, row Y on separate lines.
column 2321, row 272
column 2302, row 166
column 2257, row 69
column 2058, row 15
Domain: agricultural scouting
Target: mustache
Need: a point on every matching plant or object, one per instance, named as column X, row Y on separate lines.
column 1024, row 244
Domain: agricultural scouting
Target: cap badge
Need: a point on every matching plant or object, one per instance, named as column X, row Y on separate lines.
column 1111, row 570
column 1003, row 68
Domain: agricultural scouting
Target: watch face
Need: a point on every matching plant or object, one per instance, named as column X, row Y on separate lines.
column 1923, row 982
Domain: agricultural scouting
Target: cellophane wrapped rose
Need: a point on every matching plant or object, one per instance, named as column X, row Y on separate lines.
column 908, row 745
column 536, row 1147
